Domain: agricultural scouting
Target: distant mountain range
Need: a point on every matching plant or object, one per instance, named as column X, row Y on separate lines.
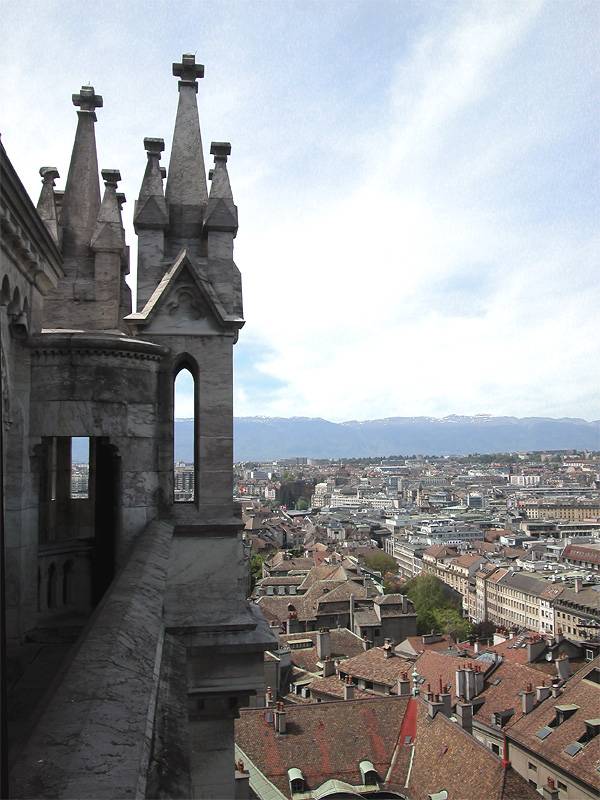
column 268, row 438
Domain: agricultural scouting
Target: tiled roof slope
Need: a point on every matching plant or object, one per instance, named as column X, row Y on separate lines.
column 501, row 692
column 325, row 740
column 343, row 644
column 333, row 687
column 372, row 665
column 579, row 691
column 435, row 666
column 448, row 758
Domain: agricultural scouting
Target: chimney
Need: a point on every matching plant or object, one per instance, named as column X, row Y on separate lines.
column 527, row 699
column 550, row 790
column 464, row 712
column 328, row 667
column 280, row 722
column 446, row 701
column 293, row 624
column 559, row 635
column 479, row 680
column 365, row 642
column 349, row 689
column 469, row 682
column 268, row 697
column 387, row 649
column 323, row 645
column 461, row 682
column 434, row 705
column 563, row 667
column 578, row 585
column 476, row 647
column 403, row 686
column 242, row 781
column 542, row 693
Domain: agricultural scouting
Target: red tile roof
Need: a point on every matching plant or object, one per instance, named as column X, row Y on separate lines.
column 578, row 691
column 324, row 740
column 502, row 690
column 435, row 666
column 447, row 758
column 343, row 644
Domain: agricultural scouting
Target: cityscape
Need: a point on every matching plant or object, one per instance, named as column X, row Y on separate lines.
column 299, row 500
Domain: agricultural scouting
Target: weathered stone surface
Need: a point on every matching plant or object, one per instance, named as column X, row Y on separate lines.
column 124, row 718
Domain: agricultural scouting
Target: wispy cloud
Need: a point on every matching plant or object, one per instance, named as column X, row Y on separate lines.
column 417, row 188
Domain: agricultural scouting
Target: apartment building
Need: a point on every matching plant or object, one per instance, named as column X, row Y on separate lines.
column 515, row 599
column 408, row 555
column 572, row 512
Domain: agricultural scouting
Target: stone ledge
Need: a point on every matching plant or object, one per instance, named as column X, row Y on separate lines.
column 94, row 734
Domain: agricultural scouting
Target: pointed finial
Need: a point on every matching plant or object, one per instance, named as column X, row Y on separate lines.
column 220, row 150
column 121, row 200
column 47, row 208
column 163, row 172
column 87, row 100
column 153, row 147
column 49, row 175
column 211, row 172
column 111, row 177
column 188, row 71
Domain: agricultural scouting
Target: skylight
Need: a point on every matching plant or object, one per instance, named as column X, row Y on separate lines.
column 573, row 748
column 543, row 732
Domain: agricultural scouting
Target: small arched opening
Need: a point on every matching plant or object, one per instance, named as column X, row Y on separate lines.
column 185, row 433
column 5, row 294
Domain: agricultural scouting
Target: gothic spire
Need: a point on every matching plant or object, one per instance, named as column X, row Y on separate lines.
column 82, row 192
column 221, row 211
column 108, row 232
column 47, row 203
column 150, row 208
column 186, row 191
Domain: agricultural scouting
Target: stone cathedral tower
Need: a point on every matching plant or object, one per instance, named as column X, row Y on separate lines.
column 169, row 646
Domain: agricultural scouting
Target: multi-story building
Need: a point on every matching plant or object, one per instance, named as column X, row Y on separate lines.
column 517, row 600
column 577, row 611
column 586, row 556
column 573, row 512
column 408, row 555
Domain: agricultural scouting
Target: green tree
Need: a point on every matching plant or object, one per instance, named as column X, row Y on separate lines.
column 452, row 623
column 430, row 595
column 381, row 562
column 302, row 504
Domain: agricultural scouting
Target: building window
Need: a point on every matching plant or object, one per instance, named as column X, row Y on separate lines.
column 495, row 749
column 531, row 766
column 185, row 437
column 533, row 783
column 589, row 655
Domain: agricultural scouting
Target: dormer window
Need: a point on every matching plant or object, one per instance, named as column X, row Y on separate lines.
column 296, row 779
column 563, row 713
column 368, row 773
column 592, row 729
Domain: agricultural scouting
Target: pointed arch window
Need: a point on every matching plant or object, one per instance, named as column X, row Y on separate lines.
column 185, row 434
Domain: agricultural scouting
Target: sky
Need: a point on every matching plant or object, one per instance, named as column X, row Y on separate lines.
column 417, row 185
